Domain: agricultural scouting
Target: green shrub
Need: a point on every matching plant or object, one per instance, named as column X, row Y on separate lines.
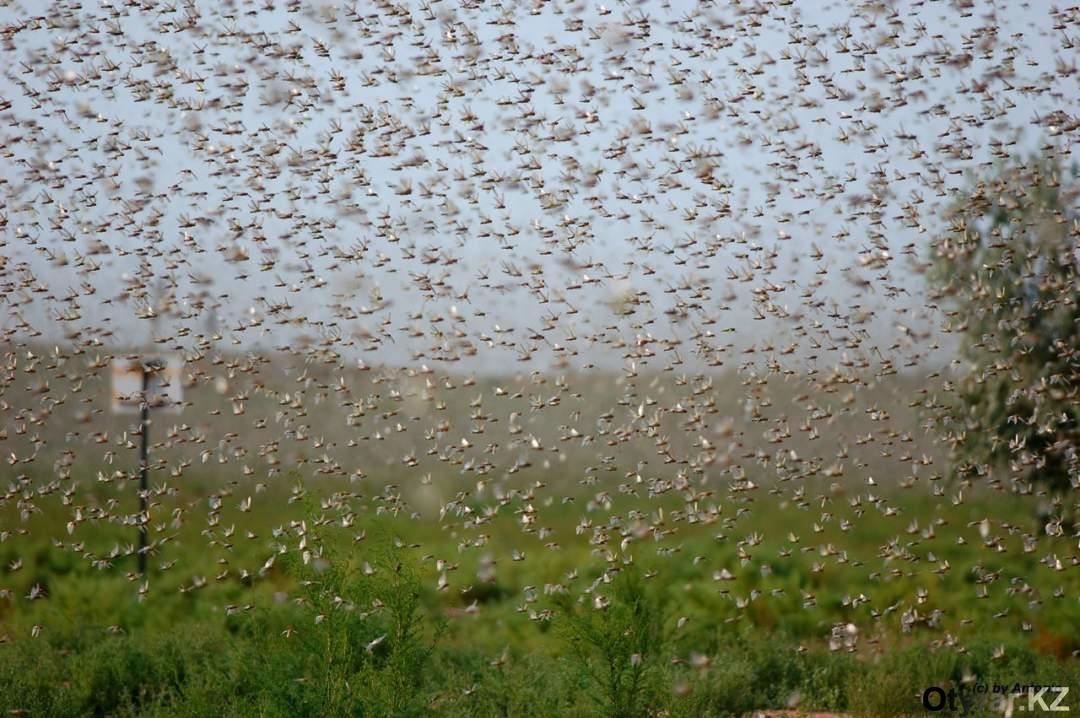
column 616, row 639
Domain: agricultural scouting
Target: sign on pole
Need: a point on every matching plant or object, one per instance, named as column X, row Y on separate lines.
column 139, row 385
column 164, row 388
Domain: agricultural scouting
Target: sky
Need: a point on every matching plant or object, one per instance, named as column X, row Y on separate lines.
column 523, row 177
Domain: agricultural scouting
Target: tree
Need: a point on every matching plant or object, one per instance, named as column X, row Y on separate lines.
column 1008, row 269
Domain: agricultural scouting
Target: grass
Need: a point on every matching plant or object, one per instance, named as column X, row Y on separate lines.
column 398, row 616
column 245, row 673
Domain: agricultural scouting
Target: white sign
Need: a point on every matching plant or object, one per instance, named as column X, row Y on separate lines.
column 164, row 388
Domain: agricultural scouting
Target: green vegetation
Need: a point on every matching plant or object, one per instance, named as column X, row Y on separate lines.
column 724, row 617
column 615, row 641
column 1009, row 271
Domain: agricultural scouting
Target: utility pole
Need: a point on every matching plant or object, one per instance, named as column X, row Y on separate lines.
column 144, row 466
column 153, row 383
column 139, row 386
column 150, row 366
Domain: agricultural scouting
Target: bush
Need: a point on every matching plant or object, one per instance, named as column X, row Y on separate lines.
column 615, row 638
column 1009, row 271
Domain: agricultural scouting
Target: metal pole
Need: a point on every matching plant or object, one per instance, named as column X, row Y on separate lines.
column 144, row 466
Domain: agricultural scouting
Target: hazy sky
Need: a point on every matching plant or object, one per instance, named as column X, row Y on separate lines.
column 824, row 125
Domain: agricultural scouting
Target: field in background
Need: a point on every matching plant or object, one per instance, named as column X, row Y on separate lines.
column 259, row 415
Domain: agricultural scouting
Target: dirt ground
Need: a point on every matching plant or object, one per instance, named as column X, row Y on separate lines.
column 796, row 714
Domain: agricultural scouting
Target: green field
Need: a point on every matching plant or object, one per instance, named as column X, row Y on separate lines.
column 310, row 556
column 397, row 614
